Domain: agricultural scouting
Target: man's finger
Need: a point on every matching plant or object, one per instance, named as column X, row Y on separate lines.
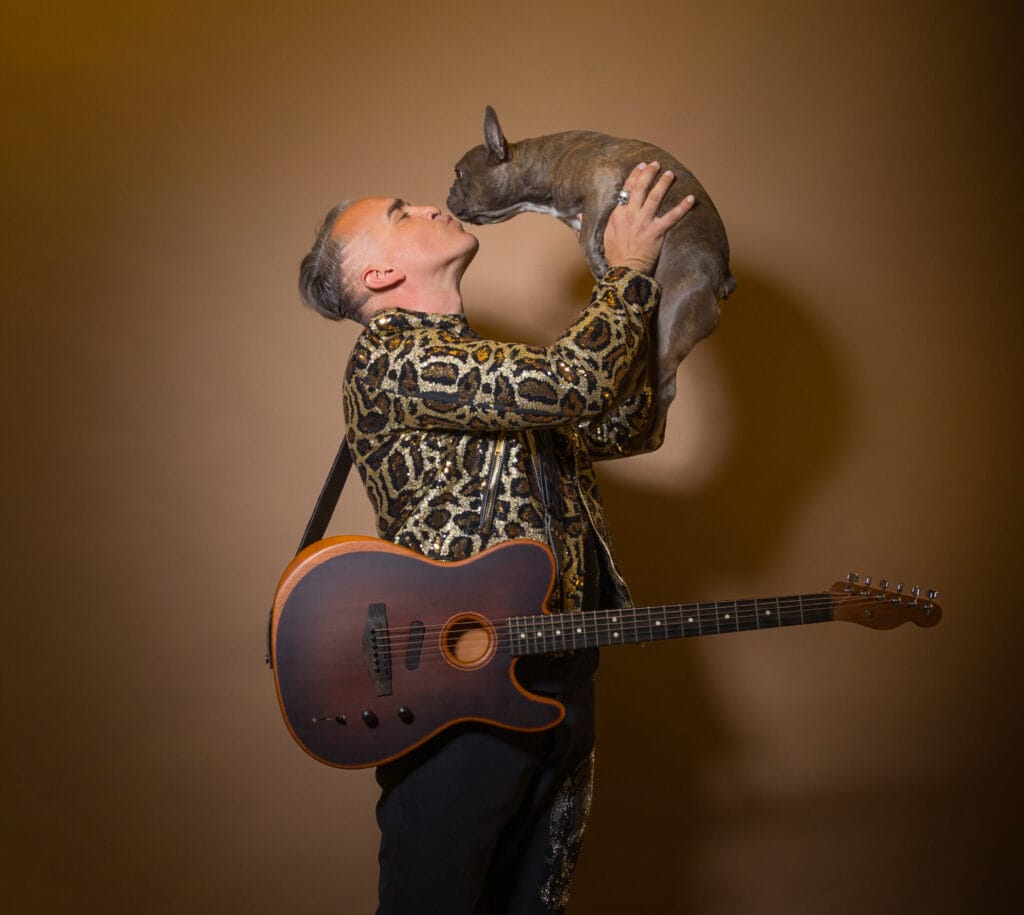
column 639, row 180
column 670, row 217
column 657, row 193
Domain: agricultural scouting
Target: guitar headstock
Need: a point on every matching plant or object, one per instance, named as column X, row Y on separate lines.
column 882, row 607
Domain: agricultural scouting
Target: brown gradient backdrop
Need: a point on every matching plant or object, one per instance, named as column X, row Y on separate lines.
column 171, row 410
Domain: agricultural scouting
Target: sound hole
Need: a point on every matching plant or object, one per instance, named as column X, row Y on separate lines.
column 468, row 640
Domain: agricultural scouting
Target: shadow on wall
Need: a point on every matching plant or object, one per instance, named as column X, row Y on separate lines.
column 789, row 412
column 660, row 735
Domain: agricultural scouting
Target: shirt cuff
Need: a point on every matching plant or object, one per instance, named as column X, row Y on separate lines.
column 633, row 287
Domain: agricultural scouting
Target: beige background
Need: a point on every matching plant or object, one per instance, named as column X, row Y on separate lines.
column 171, row 409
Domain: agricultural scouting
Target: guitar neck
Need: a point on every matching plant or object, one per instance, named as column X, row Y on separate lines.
column 549, row 633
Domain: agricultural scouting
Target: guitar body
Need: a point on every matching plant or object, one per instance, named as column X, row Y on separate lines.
column 377, row 648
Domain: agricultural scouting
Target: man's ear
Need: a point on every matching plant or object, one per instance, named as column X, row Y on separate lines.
column 380, row 278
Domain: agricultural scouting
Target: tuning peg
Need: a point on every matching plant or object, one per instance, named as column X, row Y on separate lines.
column 899, row 588
column 884, row 584
column 932, row 594
column 916, row 591
column 853, row 578
column 867, row 582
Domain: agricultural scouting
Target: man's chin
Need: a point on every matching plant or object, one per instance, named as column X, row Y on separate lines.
column 472, row 246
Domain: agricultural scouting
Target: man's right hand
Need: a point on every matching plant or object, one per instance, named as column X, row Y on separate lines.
column 635, row 232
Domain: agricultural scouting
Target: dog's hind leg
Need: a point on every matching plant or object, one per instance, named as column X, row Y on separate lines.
column 687, row 314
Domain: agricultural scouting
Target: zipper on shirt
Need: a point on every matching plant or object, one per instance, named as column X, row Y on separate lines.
column 590, row 515
column 499, row 453
column 557, row 548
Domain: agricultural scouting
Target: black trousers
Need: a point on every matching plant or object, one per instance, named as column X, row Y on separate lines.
column 479, row 820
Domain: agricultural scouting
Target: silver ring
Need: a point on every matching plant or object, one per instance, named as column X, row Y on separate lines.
column 622, row 197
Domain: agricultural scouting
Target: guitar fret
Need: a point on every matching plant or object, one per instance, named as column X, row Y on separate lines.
column 653, row 629
column 628, row 623
column 674, row 622
column 516, row 635
column 562, row 626
column 746, row 615
column 641, row 627
column 707, row 613
column 690, row 622
column 661, row 628
column 579, row 630
column 706, row 624
column 767, row 616
column 616, row 627
column 730, row 620
column 793, row 612
column 662, row 624
column 553, row 632
column 715, row 621
column 544, row 633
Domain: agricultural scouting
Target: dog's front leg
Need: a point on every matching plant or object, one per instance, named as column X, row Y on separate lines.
column 597, row 207
column 598, row 204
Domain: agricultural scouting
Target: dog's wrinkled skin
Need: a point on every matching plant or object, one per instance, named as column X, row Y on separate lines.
column 574, row 176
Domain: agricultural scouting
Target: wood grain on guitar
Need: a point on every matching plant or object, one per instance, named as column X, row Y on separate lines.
column 376, row 648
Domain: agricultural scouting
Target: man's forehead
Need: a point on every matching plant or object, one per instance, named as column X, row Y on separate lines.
column 365, row 213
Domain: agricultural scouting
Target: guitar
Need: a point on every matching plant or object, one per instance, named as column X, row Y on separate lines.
column 376, row 648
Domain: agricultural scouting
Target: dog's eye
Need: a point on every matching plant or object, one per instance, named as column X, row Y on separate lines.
column 458, row 174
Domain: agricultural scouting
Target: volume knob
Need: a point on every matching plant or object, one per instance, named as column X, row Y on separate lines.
column 405, row 714
column 369, row 718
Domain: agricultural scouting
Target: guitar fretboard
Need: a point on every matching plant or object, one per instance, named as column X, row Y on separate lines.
column 548, row 633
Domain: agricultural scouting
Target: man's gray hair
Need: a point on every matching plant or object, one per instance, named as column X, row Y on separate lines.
column 322, row 283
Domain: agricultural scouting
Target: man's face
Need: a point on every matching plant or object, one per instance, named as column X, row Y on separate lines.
column 417, row 240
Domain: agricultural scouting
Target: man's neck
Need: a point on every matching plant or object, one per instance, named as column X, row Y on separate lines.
column 430, row 298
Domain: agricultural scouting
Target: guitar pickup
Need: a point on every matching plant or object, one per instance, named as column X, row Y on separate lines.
column 415, row 650
column 377, row 648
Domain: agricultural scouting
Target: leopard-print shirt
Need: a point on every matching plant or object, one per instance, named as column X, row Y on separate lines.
column 445, row 426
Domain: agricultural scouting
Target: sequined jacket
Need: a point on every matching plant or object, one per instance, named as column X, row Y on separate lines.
column 449, row 431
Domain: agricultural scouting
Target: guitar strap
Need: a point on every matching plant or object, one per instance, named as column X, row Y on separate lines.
column 326, row 502
column 328, row 498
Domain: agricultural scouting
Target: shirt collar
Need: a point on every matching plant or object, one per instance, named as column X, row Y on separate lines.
column 393, row 320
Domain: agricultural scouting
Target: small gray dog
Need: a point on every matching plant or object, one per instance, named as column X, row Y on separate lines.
column 575, row 176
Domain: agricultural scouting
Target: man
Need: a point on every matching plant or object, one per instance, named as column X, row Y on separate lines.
column 462, row 443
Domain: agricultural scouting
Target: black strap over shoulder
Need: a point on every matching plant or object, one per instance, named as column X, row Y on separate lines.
column 326, row 502
column 328, row 498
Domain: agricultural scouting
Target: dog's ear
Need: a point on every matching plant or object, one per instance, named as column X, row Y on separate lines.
column 494, row 139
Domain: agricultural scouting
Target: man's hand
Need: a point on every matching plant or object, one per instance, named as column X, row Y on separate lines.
column 635, row 232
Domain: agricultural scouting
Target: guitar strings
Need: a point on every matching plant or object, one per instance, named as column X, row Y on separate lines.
column 710, row 618
column 437, row 644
